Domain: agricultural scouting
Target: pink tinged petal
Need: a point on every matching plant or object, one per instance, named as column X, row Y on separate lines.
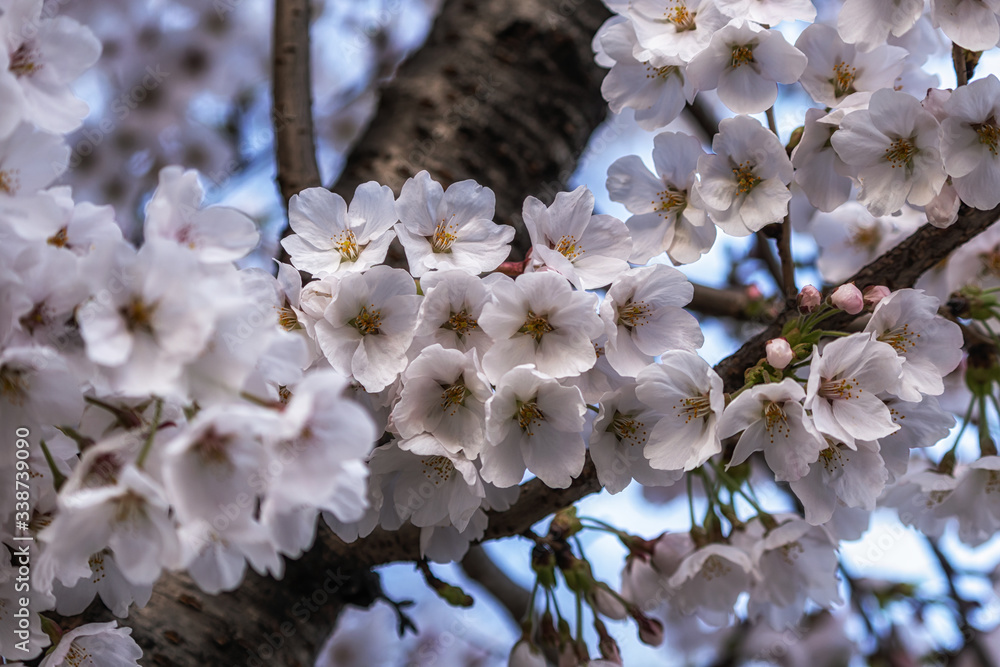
column 779, row 60
column 503, row 463
column 981, row 188
column 767, row 202
column 466, row 201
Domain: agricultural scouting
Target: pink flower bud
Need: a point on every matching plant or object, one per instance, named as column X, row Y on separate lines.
column 650, row 629
column 779, row 353
column 874, row 294
column 809, row 299
column 848, row 298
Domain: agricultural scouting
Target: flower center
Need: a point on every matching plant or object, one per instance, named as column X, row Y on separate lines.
column 742, row 54
column 989, row 134
column 76, row 656
column 866, row 238
column 138, row 315
column 633, row 314
column 659, row 72
column 437, row 469
column 901, row 338
column 900, row 153
column 535, row 326
column 367, row 322
column 528, row 415
column 24, row 61
column 10, row 181
column 745, row 178
column 444, row 237
column 693, row 407
column 715, row 567
column 775, row 419
column 60, row 239
column 843, row 79
column 568, row 247
column 212, row 447
column 13, row 384
column 461, row 323
column 833, row 458
column 288, row 320
column 681, row 17
column 669, row 199
column 346, row 244
column 839, row 389
column 628, row 428
column 454, row 396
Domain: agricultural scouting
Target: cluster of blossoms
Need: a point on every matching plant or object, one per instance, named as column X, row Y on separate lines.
column 183, row 414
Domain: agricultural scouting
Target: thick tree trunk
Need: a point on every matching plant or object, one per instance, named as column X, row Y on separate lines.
column 506, row 93
column 503, row 92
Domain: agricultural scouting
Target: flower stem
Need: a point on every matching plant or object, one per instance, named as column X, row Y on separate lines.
column 148, row 445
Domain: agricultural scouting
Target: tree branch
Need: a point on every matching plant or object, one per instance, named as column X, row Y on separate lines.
column 292, row 114
column 480, row 568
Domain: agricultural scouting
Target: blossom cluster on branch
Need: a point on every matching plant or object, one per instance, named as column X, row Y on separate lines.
column 179, row 413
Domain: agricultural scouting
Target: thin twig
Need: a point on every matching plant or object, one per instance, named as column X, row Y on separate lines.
column 962, row 607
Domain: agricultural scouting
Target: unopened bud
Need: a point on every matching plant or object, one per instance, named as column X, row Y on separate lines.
column 809, row 299
column 607, row 605
column 848, row 298
column 650, row 629
column 874, row 294
column 779, row 353
column 525, row 655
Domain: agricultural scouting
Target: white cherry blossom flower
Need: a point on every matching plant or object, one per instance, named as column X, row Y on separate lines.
column 849, row 237
column 129, row 517
column 844, row 380
column 444, row 393
column 819, row 171
column 744, row 186
column 539, row 319
column 450, row 310
column 331, row 237
column 368, row 325
column 689, row 393
column 618, row 441
column 106, row 580
column 975, row 501
column 30, row 160
column 971, row 24
column 435, row 485
column 852, row 477
column 893, row 148
column 667, row 214
column 708, row 581
column 102, row 644
column 838, row 71
column 917, row 499
column 157, row 314
column 679, row 28
column 216, row 558
column 450, row 229
column 215, row 234
column 796, row 562
column 39, row 59
column 868, row 23
column 970, row 142
column 656, row 93
column 746, row 63
column 929, row 345
column 533, row 423
column 643, row 317
column 588, row 250
column 326, row 438
column 773, row 421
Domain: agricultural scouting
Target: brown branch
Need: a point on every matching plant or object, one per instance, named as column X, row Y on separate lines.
column 292, row 114
column 480, row 568
column 738, row 303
